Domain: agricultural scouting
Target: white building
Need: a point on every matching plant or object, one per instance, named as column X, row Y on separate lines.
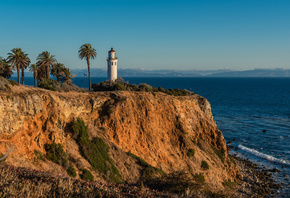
column 112, row 65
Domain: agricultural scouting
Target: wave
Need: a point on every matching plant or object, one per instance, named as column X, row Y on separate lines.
column 264, row 156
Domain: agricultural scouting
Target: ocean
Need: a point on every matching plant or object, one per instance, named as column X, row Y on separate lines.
column 252, row 113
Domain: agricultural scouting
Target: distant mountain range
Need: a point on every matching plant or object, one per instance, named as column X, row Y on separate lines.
column 97, row 72
column 254, row 73
column 138, row 73
column 188, row 73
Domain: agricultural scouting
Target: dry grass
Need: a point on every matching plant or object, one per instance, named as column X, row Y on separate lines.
column 24, row 182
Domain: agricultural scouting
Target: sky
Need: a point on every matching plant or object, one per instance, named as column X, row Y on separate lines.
column 152, row 34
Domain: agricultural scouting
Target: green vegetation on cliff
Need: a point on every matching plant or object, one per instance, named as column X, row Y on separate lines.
column 219, row 153
column 53, row 85
column 148, row 170
column 55, row 153
column 87, row 175
column 121, row 85
column 204, row 165
column 95, row 151
column 190, row 152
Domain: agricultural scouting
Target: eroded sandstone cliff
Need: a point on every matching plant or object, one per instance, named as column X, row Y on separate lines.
column 154, row 126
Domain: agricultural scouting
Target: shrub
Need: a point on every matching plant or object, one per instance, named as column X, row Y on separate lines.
column 125, row 86
column 97, row 154
column 145, row 87
column 71, row 171
column 7, row 87
column 55, row 153
column 140, row 161
column 190, row 152
column 120, row 87
column 38, row 155
column 80, row 131
column 49, row 84
column 176, row 182
column 229, row 183
column 4, row 84
column 161, row 89
column 12, row 82
column 87, row 175
column 219, row 153
column 53, row 85
column 148, row 170
column 199, row 178
column 66, row 87
column 95, row 151
column 204, row 165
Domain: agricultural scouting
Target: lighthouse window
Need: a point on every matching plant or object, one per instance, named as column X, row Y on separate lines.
column 115, row 63
column 112, row 63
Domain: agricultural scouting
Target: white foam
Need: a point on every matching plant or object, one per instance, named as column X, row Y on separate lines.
column 264, row 156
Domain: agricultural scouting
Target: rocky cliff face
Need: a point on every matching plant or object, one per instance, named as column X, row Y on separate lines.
column 156, row 127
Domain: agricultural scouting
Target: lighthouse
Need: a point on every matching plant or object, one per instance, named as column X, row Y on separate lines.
column 112, row 65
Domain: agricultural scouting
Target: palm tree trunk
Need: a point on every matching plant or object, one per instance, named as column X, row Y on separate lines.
column 47, row 72
column 89, row 72
column 35, row 75
column 18, row 74
column 22, row 72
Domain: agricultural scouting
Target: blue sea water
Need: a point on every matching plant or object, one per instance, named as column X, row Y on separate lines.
column 242, row 108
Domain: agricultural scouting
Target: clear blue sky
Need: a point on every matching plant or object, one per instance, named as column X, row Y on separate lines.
column 152, row 34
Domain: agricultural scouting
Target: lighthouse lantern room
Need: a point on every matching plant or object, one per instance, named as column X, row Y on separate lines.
column 112, row 65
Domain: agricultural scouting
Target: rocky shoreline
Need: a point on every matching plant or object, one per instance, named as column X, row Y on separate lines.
column 254, row 180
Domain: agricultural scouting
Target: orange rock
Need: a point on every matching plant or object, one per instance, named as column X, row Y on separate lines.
column 158, row 128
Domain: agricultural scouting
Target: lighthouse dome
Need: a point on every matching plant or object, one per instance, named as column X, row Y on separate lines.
column 112, row 51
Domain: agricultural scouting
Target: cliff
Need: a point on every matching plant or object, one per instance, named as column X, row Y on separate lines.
column 159, row 128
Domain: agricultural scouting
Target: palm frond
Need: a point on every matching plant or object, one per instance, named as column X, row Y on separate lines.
column 87, row 51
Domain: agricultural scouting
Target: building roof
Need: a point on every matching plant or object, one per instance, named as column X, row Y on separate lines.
column 112, row 50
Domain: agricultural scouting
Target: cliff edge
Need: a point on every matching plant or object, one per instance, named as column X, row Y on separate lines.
column 170, row 133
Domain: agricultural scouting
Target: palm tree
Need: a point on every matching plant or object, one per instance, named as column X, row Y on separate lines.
column 5, row 69
column 41, row 72
column 86, row 51
column 67, row 76
column 46, row 61
column 33, row 68
column 18, row 59
column 23, row 67
column 57, row 70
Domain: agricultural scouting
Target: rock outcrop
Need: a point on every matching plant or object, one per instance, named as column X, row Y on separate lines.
column 153, row 126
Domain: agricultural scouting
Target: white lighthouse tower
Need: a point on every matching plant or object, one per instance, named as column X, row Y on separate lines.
column 112, row 65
